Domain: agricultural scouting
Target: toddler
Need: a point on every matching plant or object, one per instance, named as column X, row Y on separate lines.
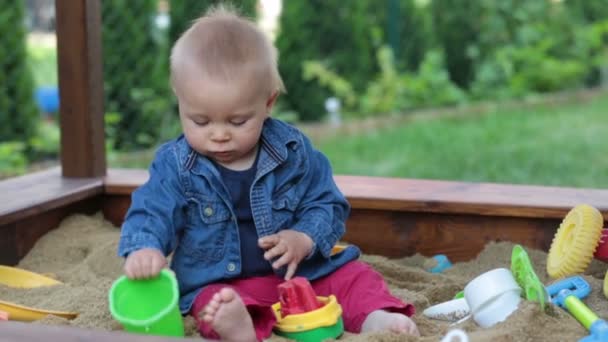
column 243, row 201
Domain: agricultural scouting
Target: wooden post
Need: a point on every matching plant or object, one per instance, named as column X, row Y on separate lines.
column 80, row 88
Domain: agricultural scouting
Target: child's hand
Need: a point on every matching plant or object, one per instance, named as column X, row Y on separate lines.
column 144, row 263
column 290, row 245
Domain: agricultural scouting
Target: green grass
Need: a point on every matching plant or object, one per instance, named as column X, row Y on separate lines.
column 562, row 145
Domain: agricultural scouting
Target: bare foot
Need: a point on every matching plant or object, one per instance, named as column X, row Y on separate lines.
column 229, row 318
column 381, row 320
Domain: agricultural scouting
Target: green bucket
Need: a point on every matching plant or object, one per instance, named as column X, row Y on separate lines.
column 147, row 306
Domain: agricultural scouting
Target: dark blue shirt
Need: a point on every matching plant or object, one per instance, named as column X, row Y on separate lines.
column 238, row 184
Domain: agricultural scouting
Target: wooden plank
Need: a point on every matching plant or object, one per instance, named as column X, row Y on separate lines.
column 386, row 219
column 460, row 237
column 9, row 253
column 124, row 181
column 18, row 237
column 399, row 234
column 468, row 198
column 114, row 208
column 35, row 193
column 18, row 332
column 414, row 195
column 80, row 87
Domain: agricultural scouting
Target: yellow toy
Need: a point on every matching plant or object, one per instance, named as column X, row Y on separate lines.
column 575, row 242
column 18, row 278
column 325, row 322
column 304, row 317
column 338, row 248
column 579, row 239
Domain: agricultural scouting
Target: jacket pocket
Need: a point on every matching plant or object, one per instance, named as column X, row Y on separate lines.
column 209, row 210
column 205, row 236
column 285, row 199
column 284, row 205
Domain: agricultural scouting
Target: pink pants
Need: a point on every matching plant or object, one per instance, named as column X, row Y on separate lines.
column 358, row 288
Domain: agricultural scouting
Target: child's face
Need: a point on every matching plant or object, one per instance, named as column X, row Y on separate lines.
column 223, row 120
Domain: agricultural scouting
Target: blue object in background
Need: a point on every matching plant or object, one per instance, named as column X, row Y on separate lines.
column 47, row 99
column 443, row 263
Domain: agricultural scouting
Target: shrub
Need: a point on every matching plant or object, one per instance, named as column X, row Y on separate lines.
column 12, row 158
column 342, row 38
column 405, row 26
column 456, row 31
column 394, row 92
column 18, row 113
column 334, row 33
column 589, row 11
column 134, row 71
column 529, row 46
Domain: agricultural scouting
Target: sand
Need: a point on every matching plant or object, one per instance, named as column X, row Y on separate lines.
column 81, row 253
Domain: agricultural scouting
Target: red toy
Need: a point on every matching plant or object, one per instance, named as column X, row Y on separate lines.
column 303, row 316
column 297, row 296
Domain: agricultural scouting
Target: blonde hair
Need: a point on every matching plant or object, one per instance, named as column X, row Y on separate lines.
column 224, row 45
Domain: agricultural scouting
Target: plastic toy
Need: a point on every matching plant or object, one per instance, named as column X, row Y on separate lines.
column 19, row 278
column 303, row 316
column 440, row 263
column 492, row 296
column 47, row 99
column 567, row 294
column 495, row 289
column 147, row 306
column 456, row 335
column 577, row 240
column 451, row 311
column 27, row 314
column 526, row 278
column 338, row 248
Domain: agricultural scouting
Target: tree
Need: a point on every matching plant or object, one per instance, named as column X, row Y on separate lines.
column 528, row 46
column 405, row 27
column 456, row 30
column 589, row 13
column 589, row 10
column 335, row 33
column 135, row 75
column 345, row 37
column 18, row 113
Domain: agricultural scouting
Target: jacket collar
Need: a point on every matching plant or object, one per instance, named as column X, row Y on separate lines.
column 276, row 138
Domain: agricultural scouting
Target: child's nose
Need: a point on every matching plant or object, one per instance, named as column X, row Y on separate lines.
column 220, row 135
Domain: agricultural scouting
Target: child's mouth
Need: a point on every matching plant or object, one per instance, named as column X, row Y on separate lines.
column 222, row 155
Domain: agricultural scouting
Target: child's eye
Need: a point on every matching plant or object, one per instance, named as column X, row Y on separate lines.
column 200, row 123
column 238, row 122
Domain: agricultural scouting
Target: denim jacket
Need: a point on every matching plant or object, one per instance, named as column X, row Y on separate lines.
column 184, row 208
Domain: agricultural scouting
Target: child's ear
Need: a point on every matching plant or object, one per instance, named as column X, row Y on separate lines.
column 271, row 101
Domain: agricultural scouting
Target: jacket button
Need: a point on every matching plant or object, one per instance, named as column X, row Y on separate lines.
column 231, row 267
column 208, row 211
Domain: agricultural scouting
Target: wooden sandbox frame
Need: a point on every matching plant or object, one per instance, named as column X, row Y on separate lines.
column 390, row 216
